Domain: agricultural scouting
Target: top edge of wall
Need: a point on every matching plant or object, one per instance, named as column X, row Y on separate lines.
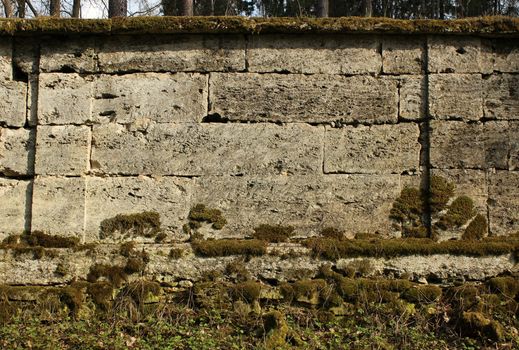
column 488, row 26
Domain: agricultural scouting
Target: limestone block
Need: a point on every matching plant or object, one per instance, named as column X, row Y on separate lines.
column 62, row 150
column 456, row 96
column 107, row 197
column 58, row 205
column 207, row 149
column 303, row 98
column 355, row 203
column 13, row 96
column 311, row 53
column 6, row 51
column 403, row 55
column 503, row 202
column 26, row 51
column 14, row 211
column 163, row 98
column 68, row 55
column 501, row 97
column 16, row 152
column 505, row 55
column 375, row 149
column 457, row 144
column 64, row 98
column 455, row 54
column 173, row 53
column 513, row 162
column 411, row 94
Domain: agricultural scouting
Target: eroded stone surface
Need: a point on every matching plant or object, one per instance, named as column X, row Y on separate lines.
column 173, row 53
column 403, row 55
column 372, row 149
column 68, row 54
column 452, row 54
column 338, row 54
column 26, row 52
column 457, row 144
column 16, row 151
column 301, row 98
column 207, row 149
column 513, row 131
column 6, row 50
column 456, row 96
column 503, row 202
column 14, row 210
column 58, row 205
column 13, row 96
column 505, row 55
column 501, row 97
column 411, row 93
column 62, row 150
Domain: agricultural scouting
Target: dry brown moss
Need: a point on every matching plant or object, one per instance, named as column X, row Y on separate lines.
column 248, row 291
column 228, row 247
column 145, row 224
column 440, row 192
column 459, row 212
column 114, row 274
column 477, row 229
column 176, row 253
column 332, row 232
column 507, row 286
column 237, row 271
column 422, row 294
column 142, row 291
column 200, row 213
column 476, row 324
column 273, row 233
column 408, row 213
column 101, row 294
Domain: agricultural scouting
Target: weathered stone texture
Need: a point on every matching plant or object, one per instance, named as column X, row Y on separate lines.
column 14, row 207
column 457, row 96
column 513, row 131
column 372, row 149
column 301, row 98
column 207, row 149
column 175, row 53
column 6, row 50
column 164, row 98
column 16, row 152
column 107, row 197
column 26, row 52
column 58, row 205
column 457, row 55
column 64, row 98
column 411, row 92
column 501, row 97
column 68, row 54
column 62, row 150
column 503, row 202
column 13, row 96
column 505, row 55
column 337, row 54
column 403, row 55
column 465, row 145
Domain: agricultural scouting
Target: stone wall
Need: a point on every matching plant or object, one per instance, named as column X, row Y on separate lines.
column 311, row 130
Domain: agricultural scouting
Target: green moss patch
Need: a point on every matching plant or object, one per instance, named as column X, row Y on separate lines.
column 228, row 247
column 145, row 224
column 273, row 233
column 200, row 213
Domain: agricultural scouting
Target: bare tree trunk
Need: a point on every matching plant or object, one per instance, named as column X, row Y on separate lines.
column 168, row 7
column 322, row 8
column 8, row 8
column 117, row 8
column 76, row 8
column 368, row 8
column 21, row 8
column 55, row 7
column 187, row 8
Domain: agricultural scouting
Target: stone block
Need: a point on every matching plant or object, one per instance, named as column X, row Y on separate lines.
column 456, row 144
column 164, row 98
column 207, row 149
column 26, row 51
column 16, row 152
column 173, row 53
column 14, row 207
column 304, row 98
column 62, row 150
column 314, row 53
column 6, row 51
column 376, row 149
column 513, row 131
column 403, row 55
column 68, row 55
column 456, row 96
column 64, row 98
column 411, row 94
column 13, row 95
column 503, row 203
column 501, row 97
column 505, row 55
column 455, row 54
column 58, row 205
column 107, row 197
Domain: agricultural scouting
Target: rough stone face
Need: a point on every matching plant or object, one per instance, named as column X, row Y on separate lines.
column 403, row 55
column 164, row 98
column 207, row 149
column 64, row 98
column 6, row 50
column 58, row 205
column 16, row 152
column 26, row 54
column 501, row 97
column 375, row 149
column 411, row 94
column 62, row 150
column 301, row 98
column 462, row 145
column 456, row 96
column 451, row 54
column 14, row 210
column 505, row 55
column 338, row 54
column 107, row 197
column 503, row 203
column 13, row 96
column 173, row 53
column 68, row 54
column 513, row 162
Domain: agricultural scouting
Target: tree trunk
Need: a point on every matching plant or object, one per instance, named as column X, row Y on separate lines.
column 322, row 8
column 117, row 8
column 55, row 8
column 21, row 8
column 8, row 8
column 76, row 8
column 187, row 8
column 368, row 8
